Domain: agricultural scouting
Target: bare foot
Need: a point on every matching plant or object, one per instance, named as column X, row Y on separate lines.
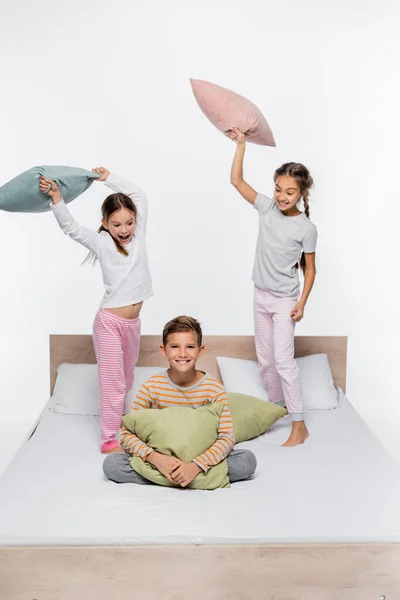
column 115, row 449
column 298, row 435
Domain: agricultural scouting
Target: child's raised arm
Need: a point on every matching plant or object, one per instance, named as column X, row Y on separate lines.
column 117, row 184
column 87, row 237
column 237, row 167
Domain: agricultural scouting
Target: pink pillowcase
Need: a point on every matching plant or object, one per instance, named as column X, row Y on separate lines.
column 226, row 109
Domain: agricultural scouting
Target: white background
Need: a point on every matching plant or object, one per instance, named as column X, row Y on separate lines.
column 89, row 83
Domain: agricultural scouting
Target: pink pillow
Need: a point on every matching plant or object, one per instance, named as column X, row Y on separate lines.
column 226, row 109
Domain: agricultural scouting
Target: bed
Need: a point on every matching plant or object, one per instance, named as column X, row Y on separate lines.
column 66, row 532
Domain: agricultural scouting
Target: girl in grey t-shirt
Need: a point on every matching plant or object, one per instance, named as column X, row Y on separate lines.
column 286, row 241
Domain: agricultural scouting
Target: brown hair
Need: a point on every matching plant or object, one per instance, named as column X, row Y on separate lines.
column 182, row 323
column 302, row 175
column 111, row 204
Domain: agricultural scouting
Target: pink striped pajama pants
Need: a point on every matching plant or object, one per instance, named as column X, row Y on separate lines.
column 274, row 338
column 116, row 343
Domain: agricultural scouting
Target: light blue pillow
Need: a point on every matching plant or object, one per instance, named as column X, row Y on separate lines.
column 22, row 194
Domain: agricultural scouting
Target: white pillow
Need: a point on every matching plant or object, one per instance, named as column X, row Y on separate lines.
column 319, row 393
column 77, row 389
column 241, row 376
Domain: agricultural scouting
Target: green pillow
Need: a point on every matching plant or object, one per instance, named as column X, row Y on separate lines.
column 252, row 417
column 182, row 432
column 22, row 194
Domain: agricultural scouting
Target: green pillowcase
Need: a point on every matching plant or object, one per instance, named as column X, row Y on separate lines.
column 187, row 433
column 252, row 417
column 182, row 432
column 22, row 194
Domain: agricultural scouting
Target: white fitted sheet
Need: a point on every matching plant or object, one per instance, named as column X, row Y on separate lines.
column 340, row 486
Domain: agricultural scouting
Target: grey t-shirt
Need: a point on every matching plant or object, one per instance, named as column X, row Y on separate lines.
column 281, row 242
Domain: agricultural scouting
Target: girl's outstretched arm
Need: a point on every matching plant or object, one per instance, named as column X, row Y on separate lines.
column 87, row 237
column 237, row 180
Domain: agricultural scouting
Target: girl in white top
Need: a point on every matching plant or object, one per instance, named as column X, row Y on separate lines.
column 120, row 247
column 286, row 241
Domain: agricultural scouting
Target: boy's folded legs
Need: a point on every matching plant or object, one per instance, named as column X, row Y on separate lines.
column 241, row 465
column 117, row 468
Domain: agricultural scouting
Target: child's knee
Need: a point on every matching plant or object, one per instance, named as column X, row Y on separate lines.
column 286, row 365
column 250, row 463
column 112, row 466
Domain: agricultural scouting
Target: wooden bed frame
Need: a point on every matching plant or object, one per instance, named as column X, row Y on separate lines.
column 220, row 572
column 78, row 349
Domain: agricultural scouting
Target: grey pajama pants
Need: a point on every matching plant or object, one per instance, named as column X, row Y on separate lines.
column 241, row 465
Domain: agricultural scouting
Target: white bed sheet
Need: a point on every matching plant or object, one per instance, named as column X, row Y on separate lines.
column 340, row 486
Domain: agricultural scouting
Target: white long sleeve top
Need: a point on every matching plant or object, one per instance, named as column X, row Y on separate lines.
column 127, row 279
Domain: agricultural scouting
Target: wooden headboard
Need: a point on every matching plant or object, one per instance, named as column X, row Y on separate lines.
column 78, row 349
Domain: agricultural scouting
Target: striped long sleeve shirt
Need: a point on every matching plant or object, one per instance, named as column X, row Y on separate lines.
column 160, row 392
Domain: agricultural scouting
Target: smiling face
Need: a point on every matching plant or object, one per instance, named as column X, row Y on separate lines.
column 121, row 225
column 287, row 193
column 182, row 351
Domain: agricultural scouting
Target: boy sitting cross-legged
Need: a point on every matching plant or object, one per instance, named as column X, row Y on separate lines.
column 181, row 385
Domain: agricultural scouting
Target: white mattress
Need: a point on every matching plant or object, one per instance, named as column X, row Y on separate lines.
column 340, row 486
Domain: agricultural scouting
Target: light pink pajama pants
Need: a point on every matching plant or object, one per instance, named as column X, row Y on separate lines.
column 274, row 338
column 116, row 343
